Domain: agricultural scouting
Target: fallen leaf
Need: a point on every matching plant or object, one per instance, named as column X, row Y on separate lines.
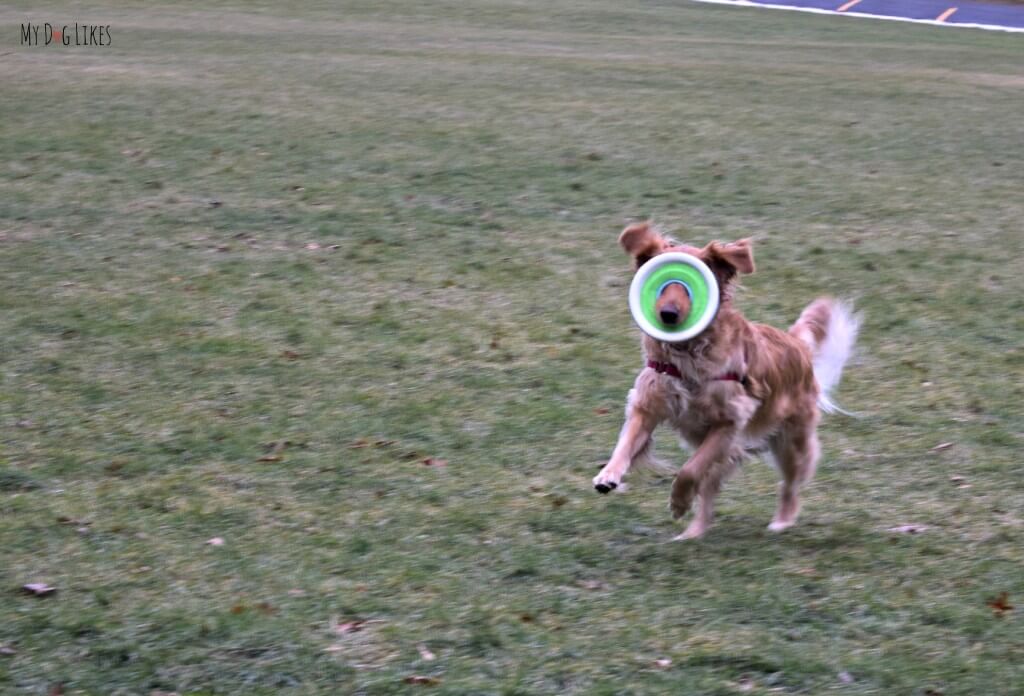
column 602, row 411
column 239, row 609
column 215, row 541
column 425, row 653
column 956, row 479
column 39, row 589
column 266, row 608
column 558, row 501
column 290, row 355
column 353, row 626
column 1001, row 604
column 57, row 689
column 526, row 618
column 908, row 528
column 349, row 627
column 933, row 692
column 72, row 522
column 270, row 458
column 312, row 246
column 943, row 446
column 420, row 679
column 431, row 461
column 363, row 443
column 845, row 677
column 663, row 663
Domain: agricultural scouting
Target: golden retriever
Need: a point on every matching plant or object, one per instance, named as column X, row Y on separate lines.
column 735, row 389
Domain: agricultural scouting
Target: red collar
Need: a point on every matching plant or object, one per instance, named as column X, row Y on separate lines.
column 670, row 369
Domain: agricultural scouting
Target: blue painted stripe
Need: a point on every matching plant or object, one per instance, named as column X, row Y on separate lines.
column 911, row 9
column 999, row 15
column 984, row 15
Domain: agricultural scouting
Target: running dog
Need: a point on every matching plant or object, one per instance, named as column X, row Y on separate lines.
column 735, row 389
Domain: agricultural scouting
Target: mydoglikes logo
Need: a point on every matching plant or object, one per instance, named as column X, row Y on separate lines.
column 47, row 34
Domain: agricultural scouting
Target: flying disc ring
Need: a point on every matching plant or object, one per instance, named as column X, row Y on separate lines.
column 660, row 272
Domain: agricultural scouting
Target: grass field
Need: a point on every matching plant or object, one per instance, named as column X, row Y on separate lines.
column 339, row 286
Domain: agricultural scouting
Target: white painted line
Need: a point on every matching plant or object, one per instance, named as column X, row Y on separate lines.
column 864, row 15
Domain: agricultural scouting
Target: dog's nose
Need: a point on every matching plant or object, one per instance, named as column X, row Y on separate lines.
column 670, row 315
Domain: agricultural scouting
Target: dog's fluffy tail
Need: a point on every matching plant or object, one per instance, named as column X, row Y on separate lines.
column 829, row 327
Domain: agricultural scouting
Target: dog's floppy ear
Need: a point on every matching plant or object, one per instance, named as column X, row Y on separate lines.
column 641, row 242
column 737, row 257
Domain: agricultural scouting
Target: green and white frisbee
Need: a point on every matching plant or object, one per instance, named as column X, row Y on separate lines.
column 662, row 271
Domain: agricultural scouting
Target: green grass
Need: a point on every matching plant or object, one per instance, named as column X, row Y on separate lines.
column 243, row 225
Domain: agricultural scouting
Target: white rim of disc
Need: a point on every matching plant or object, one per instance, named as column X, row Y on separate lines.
column 637, row 285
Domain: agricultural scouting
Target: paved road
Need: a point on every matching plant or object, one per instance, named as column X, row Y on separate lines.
column 984, row 15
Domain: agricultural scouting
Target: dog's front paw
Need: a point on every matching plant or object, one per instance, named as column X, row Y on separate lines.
column 606, row 481
column 684, row 489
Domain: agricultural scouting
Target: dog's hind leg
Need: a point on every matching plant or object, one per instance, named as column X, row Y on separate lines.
column 707, row 492
column 797, row 455
column 712, row 451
